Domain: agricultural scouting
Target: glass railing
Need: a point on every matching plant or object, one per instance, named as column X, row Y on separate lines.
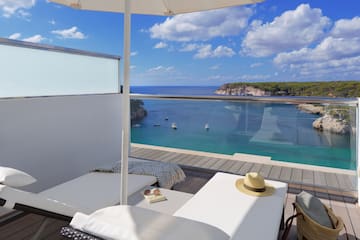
column 299, row 130
column 29, row 69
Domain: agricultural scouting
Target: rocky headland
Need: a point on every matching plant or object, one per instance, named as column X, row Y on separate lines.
column 332, row 120
column 138, row 112
column 243, row 90
column 310, row 108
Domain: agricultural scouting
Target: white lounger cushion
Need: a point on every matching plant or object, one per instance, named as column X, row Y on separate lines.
column 134, row 223
column 87, row 193
column 15, row 178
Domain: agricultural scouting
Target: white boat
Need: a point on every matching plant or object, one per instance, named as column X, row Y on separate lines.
column 173, row 126
column 207, row 127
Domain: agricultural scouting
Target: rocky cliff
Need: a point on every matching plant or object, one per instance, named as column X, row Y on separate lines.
column 138, row 111
column 242, row 90
column 331, row 124
column 331, row 120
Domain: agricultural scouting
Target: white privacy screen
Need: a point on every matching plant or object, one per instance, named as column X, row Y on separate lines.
column 27, row 72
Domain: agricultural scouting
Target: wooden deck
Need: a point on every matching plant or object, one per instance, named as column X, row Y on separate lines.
column 25, row 227
column 319, row 179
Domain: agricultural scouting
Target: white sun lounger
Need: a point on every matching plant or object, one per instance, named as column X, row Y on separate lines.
column 226, row 212
column 85, row 194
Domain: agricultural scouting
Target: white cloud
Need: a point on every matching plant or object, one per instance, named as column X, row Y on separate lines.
column 134, row 53
column 206, row 51
column 215, row 67
column 245, row 77
column 34, row 39
column 202, row 26
column 258, row 64
column 52, row 22
column 336, row 56
column 161, row 45
column 15, row 36
column 292, row 30
column 190, row 47
column 255, row 77
column 348, row 28
column 16, row 7
column 71, row 33
column 160, row 69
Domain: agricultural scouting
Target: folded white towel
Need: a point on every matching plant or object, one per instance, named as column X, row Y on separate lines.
column 79, row 220
column 134, row 223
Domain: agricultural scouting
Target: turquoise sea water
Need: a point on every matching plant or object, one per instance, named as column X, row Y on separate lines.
column 270, row 129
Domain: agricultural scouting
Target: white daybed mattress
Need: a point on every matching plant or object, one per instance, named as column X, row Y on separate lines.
column 85, row 194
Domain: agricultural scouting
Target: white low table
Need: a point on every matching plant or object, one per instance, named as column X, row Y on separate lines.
column 174, row 201
column 219, row 203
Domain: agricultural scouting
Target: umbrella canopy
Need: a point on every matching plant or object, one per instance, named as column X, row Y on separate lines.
column 154, row 7
column 147, row 7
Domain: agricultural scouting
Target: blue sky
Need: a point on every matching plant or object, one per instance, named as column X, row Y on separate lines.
column 277, row 40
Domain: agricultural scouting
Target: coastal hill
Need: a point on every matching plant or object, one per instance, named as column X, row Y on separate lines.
column 343, row 89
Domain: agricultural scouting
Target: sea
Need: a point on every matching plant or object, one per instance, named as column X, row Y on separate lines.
column 277, row 130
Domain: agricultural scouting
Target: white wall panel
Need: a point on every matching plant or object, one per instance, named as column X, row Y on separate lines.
column 58, row 138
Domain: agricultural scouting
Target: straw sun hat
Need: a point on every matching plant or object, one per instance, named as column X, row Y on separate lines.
column 254, row 184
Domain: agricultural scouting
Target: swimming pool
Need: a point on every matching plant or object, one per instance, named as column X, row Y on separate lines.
column 280, row 131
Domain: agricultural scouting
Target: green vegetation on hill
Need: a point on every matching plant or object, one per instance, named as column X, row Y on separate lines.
column 344, row 89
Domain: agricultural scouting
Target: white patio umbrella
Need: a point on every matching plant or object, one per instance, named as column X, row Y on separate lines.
column 147, row 7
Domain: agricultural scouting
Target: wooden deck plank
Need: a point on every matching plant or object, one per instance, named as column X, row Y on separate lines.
column 285, row 174
column 143, row 154
column 135, row 150
column 191, row 160
column 345, row 182
column 136, row 154
column 235, row 168
column 275, row 172
column 265, row 170
column 52, row 230
column 178, row 158
column 157, row 154
column 300, row 178
column 166, row 156
column 296, row 176
column 24, row 231
column 20, row 224
column 227, row 166
column 184, row 159
column 256, row 167
column 319, row 179
column 169, row 157
column 154, row 154
column 245, row 168
column 288, row 211
column 217, row 164
column 354, row 214
column 339, row 209
column 202, row 162
column 331, row 180
column 211, row 162
column 308, row 177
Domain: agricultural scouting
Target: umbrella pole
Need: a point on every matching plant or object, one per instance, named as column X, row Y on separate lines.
column 126, row 105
